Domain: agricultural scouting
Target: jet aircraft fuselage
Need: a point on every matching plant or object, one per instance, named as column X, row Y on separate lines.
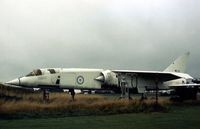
column 172, row 77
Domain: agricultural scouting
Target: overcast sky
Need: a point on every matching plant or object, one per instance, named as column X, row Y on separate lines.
column 108, row 34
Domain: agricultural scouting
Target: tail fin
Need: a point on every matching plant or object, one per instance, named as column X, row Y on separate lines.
column 179, row 65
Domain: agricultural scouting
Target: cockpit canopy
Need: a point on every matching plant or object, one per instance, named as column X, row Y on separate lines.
column 38, row 72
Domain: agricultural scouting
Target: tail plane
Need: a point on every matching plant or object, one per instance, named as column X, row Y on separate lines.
column 179, row 65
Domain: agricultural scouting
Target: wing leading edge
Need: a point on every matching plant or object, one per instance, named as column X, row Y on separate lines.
column 161, row 76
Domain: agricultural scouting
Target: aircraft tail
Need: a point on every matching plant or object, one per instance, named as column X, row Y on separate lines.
column 179, row 65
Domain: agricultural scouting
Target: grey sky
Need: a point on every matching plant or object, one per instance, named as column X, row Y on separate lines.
column 109, row 34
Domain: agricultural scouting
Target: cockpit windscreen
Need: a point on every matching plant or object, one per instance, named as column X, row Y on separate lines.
column 36, row 72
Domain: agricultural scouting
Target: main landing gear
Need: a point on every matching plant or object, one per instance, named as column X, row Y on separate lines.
column 125, row 93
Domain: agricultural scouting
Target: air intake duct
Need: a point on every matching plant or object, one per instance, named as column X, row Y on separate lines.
column 108, row 77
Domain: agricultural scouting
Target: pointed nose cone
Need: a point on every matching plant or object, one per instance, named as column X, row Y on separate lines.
column 13, row 82
column 100, row 78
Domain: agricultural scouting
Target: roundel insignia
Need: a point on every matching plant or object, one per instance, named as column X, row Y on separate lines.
column 80, row 80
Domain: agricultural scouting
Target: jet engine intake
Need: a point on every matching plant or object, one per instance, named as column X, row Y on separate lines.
column 108, row 77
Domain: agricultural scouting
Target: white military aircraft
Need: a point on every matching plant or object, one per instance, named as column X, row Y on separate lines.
column 173, row 77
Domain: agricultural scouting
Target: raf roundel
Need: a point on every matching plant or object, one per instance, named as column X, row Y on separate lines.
column 80, row 80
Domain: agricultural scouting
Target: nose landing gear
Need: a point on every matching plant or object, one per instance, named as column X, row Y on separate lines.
column 72, row 92
column 45, row 95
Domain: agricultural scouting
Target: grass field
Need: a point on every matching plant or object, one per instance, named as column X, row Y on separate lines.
column 21, row 104
column 26, row 110
column 186, row 117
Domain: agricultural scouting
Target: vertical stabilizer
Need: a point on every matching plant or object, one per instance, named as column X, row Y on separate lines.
column 179, row 65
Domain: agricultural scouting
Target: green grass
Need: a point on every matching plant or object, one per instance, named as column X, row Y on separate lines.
column 181, row 117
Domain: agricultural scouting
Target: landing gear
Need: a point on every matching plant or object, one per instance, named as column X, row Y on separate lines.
column 45, row 95
column 72, row 93
column 125, row 93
